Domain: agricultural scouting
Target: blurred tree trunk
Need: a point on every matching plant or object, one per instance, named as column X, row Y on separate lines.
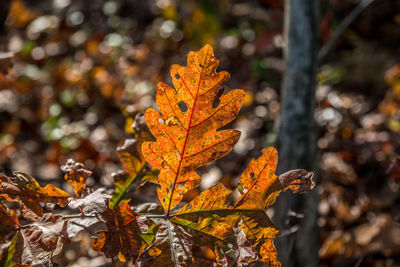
column 4, row 9
column 297, row 134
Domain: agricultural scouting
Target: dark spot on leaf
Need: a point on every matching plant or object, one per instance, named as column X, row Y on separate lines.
column 180, row 258
column 201, row 65
column 182, row 106
column 215, row 103
column 167, row 190
column 190, row 206
column 163, row 200
column 220, row 92
column 177, row 76
column 252, row 174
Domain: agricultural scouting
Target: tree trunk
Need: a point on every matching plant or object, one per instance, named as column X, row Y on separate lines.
column 4, row 8
column 297, row 134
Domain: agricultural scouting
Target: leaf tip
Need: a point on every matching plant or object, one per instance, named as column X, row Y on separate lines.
column 207, row 47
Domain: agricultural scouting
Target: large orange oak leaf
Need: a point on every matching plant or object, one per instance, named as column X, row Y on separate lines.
column 187, row 128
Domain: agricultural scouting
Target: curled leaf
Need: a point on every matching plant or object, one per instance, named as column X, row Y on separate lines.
column 299, row 181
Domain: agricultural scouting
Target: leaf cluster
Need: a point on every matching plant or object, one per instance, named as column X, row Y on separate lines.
column 213, row 228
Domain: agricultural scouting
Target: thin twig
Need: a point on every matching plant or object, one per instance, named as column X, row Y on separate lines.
column 87, row 229
column 289, row 231
column 63, row 217
column 162, row 216
column 75, row 216
column 342, row 26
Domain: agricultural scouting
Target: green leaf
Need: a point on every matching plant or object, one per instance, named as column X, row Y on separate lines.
column 7, row 258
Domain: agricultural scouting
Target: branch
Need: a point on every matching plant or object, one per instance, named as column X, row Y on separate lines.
column 342, row 26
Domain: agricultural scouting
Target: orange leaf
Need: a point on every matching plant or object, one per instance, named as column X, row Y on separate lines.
column 76, row 176
column 8, row 217
column 186, row 129
column 257, row 179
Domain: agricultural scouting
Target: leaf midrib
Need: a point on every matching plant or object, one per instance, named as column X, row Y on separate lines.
column 186, row 137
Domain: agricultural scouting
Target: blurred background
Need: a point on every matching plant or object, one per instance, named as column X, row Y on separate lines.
column 82, row 70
